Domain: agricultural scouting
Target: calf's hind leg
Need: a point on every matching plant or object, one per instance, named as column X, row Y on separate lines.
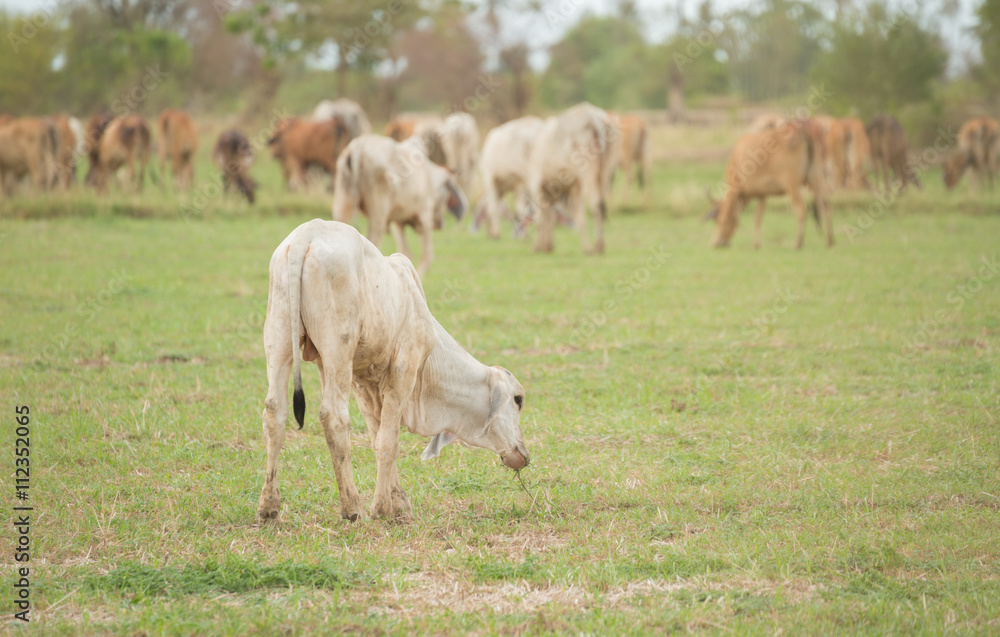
column 278, row 350
column 335, row 417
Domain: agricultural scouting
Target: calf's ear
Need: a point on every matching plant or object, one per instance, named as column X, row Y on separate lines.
column 436, row 444
column 457, row 203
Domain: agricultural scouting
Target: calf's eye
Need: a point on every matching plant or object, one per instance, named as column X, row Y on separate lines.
column 520, row 402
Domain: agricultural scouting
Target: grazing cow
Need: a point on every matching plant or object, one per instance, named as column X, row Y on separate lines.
column 233, row 155
column 459, row 137
column 977, row 150
column 96, row 126
column 889, row 152
column 395, row 184
column 774, row 162
column 572, row 162
column 850, row 153
column 28, row 147
column 349, row 112
column 634, row 149
column 298, row 144
column 179, row 143
column 362, row 317
column 504, row 168
column 124, row 143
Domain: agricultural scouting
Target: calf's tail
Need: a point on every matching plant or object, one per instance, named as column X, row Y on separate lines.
column 296, row 257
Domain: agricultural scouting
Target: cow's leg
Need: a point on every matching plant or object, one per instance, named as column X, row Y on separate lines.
column 546, row 223
column 800, row 213
column 296, row 175
column 335, row 417
column 599, row 209
column 278, row 351
column 426, row 249
column 492, row 200
column 758, row 220
column 399, row 235
column 390, row 500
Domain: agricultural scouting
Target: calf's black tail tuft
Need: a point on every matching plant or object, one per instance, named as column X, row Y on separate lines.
column 299, row 405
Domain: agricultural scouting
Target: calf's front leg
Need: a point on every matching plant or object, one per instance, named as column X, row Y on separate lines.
column 390, row 500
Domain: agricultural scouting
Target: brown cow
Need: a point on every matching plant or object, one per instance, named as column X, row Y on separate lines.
column 233, row 155
column 125, row 142
column 770, row 163
column 179, row 143
column 27, row 147
column 977, row 150
column 400, row 128
column 299, row 143
column 95, row 128
column 889, row 152
column 850, row 153
column 634, row 149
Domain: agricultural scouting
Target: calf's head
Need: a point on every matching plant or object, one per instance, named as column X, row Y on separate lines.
column 501, row 432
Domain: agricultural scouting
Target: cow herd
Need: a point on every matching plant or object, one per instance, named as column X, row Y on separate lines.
column 554, row 169
column 778, row 157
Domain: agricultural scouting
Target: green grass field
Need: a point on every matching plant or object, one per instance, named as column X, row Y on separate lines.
column 722, row 441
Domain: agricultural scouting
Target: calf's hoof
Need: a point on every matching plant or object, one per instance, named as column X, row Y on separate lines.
column 269, row 505
column 352, row 511
column 395, row 508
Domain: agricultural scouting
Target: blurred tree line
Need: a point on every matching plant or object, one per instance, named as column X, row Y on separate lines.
column 248, row 56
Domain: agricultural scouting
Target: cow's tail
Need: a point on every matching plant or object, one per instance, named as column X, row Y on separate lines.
column 296, row 257
column 816, row 169
column 607, row 130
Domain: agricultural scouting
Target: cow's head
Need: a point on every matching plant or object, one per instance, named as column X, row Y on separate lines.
column 449, row 196
column 953, row 169
column 501, row 431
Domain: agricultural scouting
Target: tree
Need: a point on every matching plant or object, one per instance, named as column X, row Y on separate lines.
column 598, row 60
column 988, row 31
column 357, row 32
column 771, row 49
column 443, row 63
column 880, row 62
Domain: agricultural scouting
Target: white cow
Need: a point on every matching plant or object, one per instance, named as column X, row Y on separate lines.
column 395, row 183
column 363, row 319
column 349, row 111
column 459, row 137
column 503, row 168
column 572, row 162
